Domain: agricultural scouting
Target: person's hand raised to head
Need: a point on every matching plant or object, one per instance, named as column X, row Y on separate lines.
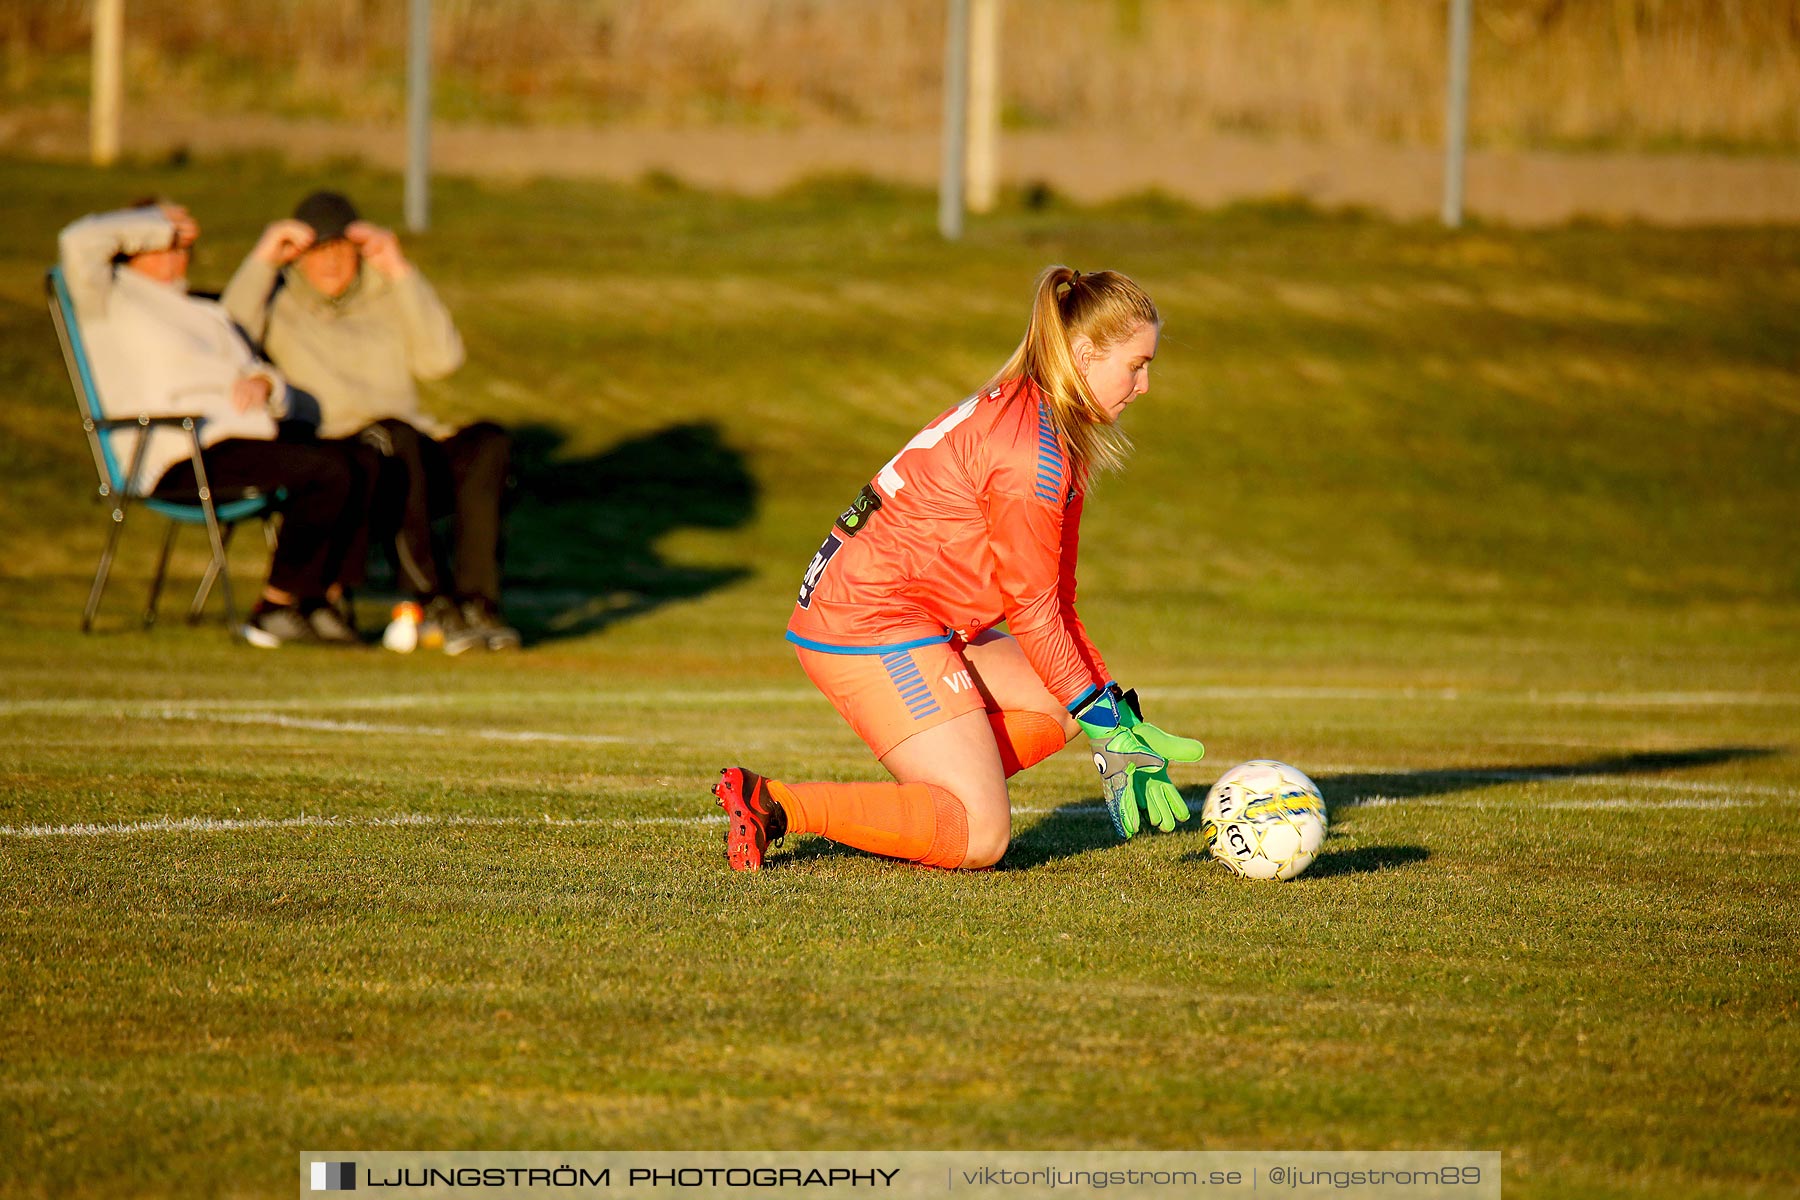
column 252, row 391
column 187, row 230
column 283, row 241
column 379, row 247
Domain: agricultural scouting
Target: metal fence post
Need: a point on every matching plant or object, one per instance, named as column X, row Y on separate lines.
column 984, row 105
column 418, row 117
column 108, row 83
column 1456, row 112
column 956, row 121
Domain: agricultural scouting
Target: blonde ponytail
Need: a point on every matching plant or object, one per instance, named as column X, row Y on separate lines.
column 1107, row 308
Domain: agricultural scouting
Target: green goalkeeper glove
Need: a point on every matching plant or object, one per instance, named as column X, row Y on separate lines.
column 1133, row 758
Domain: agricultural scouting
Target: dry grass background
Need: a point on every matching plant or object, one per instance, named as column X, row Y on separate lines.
column 1617, row 73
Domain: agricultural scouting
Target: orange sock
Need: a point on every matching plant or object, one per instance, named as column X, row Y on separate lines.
column 1026, row 738
column 919, row 822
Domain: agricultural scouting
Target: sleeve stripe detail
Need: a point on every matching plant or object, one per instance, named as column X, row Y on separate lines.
column 1050, row 467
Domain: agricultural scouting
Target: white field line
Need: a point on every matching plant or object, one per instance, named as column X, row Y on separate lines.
column 1073, row 811
column 1610, row 805
column 1619, row 699
column 401, row 821
column 221, row 716
column 308, row 821
column 597, row 698
column 1573, row 777
column 1326, row 770
column 272, row 713
column 1570, row 775
column 1732, row 795
column 321, row 725
column 690, row 697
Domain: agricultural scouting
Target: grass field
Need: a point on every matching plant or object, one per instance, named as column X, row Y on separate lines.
column 1495, row 534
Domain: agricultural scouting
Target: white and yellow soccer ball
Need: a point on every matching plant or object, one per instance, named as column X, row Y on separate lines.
column 1266, row 820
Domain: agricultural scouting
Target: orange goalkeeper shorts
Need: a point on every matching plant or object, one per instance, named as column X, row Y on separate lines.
column 890, row 696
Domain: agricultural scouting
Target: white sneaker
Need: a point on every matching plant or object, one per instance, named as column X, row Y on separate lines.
column 402, row 634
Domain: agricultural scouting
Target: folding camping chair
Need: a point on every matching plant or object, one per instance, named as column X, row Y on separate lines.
column 219, row 513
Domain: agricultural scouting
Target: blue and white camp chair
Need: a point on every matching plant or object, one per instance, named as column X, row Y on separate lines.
column 219, row 513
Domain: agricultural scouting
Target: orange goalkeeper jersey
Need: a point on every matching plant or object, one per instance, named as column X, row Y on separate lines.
column 974, row 522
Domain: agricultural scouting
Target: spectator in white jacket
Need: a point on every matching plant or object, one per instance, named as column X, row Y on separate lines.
column 157, row 351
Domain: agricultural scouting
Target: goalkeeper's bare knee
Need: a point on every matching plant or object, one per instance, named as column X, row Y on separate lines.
column 990, row 832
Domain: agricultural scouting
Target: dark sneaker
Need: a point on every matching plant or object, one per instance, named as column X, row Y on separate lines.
column 484, row 618
column 445, row 629
column 754, row 820
column 272, row 627
column 329, row 625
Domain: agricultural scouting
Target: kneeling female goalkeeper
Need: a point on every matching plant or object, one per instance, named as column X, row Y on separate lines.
column 974, row 522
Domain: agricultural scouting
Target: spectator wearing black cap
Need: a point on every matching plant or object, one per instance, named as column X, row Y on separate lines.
column 353, row 324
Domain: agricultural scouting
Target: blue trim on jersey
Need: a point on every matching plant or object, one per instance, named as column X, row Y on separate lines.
column 828, row 648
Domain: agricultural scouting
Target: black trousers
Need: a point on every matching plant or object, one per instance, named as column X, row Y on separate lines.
column 329, row 491
column 462, row 477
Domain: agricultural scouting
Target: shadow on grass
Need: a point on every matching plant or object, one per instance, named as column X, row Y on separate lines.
column 1359, row 788
column 1364, row 860
column 1046, row 841
column 581, row 549
column 1042, row 844
column 1076, row 828
column 1081, row 827
column 805, row 847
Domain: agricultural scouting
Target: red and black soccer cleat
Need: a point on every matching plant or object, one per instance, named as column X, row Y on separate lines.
column 754, row 820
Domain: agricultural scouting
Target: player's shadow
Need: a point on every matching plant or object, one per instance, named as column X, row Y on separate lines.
column 805, row 848
column 1081, row 832
column 582, row 534
column 1355, row 789
column 1085, row 828
column 1081, row 827
column 1363, row 860
column 1073, row 829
